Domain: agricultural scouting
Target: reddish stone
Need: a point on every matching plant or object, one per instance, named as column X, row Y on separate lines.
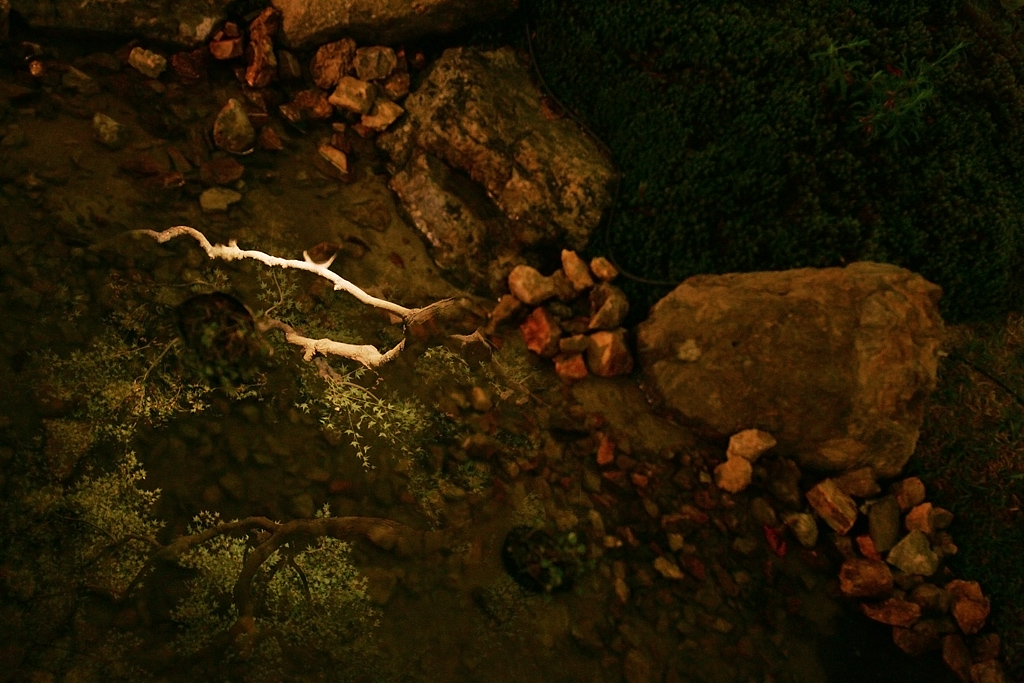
column 693, row 566
column 269, row 139
column 956, row 657
column 990, row 671
column 541, row 333
column 331, row 62
column 920, row 518
column 337, row 486
column 605, row 450
column 262, row 61
column 705, row 499
column 142, row 165
column 221, row 171
column 864, row 578
column 226, row 48
column 909, row 492
column 894, row 612
column 639, row 480
column 970, row 607
column 832, row 505
column 570, row 366
column 608, row 355
column 867, row 547
column 913, row 641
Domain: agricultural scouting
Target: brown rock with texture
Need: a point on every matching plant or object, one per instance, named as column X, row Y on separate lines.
column 970, row 607
column 331, row 62
column 894, row 612
column 835, row 507
column 909, row 492
column 262, row 62
column 540, row 182
column 836, row 363
column 957, row 657
column 608, row 355
column 541, row 333
column 990, row 671
column 863, row 578
column 306, row 23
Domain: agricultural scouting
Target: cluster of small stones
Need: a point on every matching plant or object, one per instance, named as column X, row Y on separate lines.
column 355, row 89
column 895, row 568
column 575, row 319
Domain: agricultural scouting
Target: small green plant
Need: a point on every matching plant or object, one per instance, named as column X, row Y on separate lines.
column 890, row 101
column 354, row 410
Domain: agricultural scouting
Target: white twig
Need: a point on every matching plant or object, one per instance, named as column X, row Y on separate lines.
column 231, row 252
column 366, row 354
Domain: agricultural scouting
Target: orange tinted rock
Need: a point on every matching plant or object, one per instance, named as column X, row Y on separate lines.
column 957, row 657
column 919, row 518
column 541, row 332
column 570, row 366
column 608, row 355
column 262, row 66
column 970, row 607
column 909, row 492
column 894, row 612
column 864, row 578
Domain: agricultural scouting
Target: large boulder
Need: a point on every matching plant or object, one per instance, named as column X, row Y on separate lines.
column 835, row 363
column 181, row 22
column 486, row 172
column 308, row 22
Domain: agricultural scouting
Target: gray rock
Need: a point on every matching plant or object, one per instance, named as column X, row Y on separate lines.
column 180, row 22
column 914, row 555
column 884, row 523
column 308, row 22
column 836, row 363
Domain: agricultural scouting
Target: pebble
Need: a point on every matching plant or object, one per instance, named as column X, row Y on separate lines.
column 108, row 132
column 218, row 199
column 147, row 63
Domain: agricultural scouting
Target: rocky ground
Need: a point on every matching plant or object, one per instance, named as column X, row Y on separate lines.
column 706, row 562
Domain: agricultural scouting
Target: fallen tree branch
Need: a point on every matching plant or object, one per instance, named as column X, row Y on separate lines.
column 366, row 354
